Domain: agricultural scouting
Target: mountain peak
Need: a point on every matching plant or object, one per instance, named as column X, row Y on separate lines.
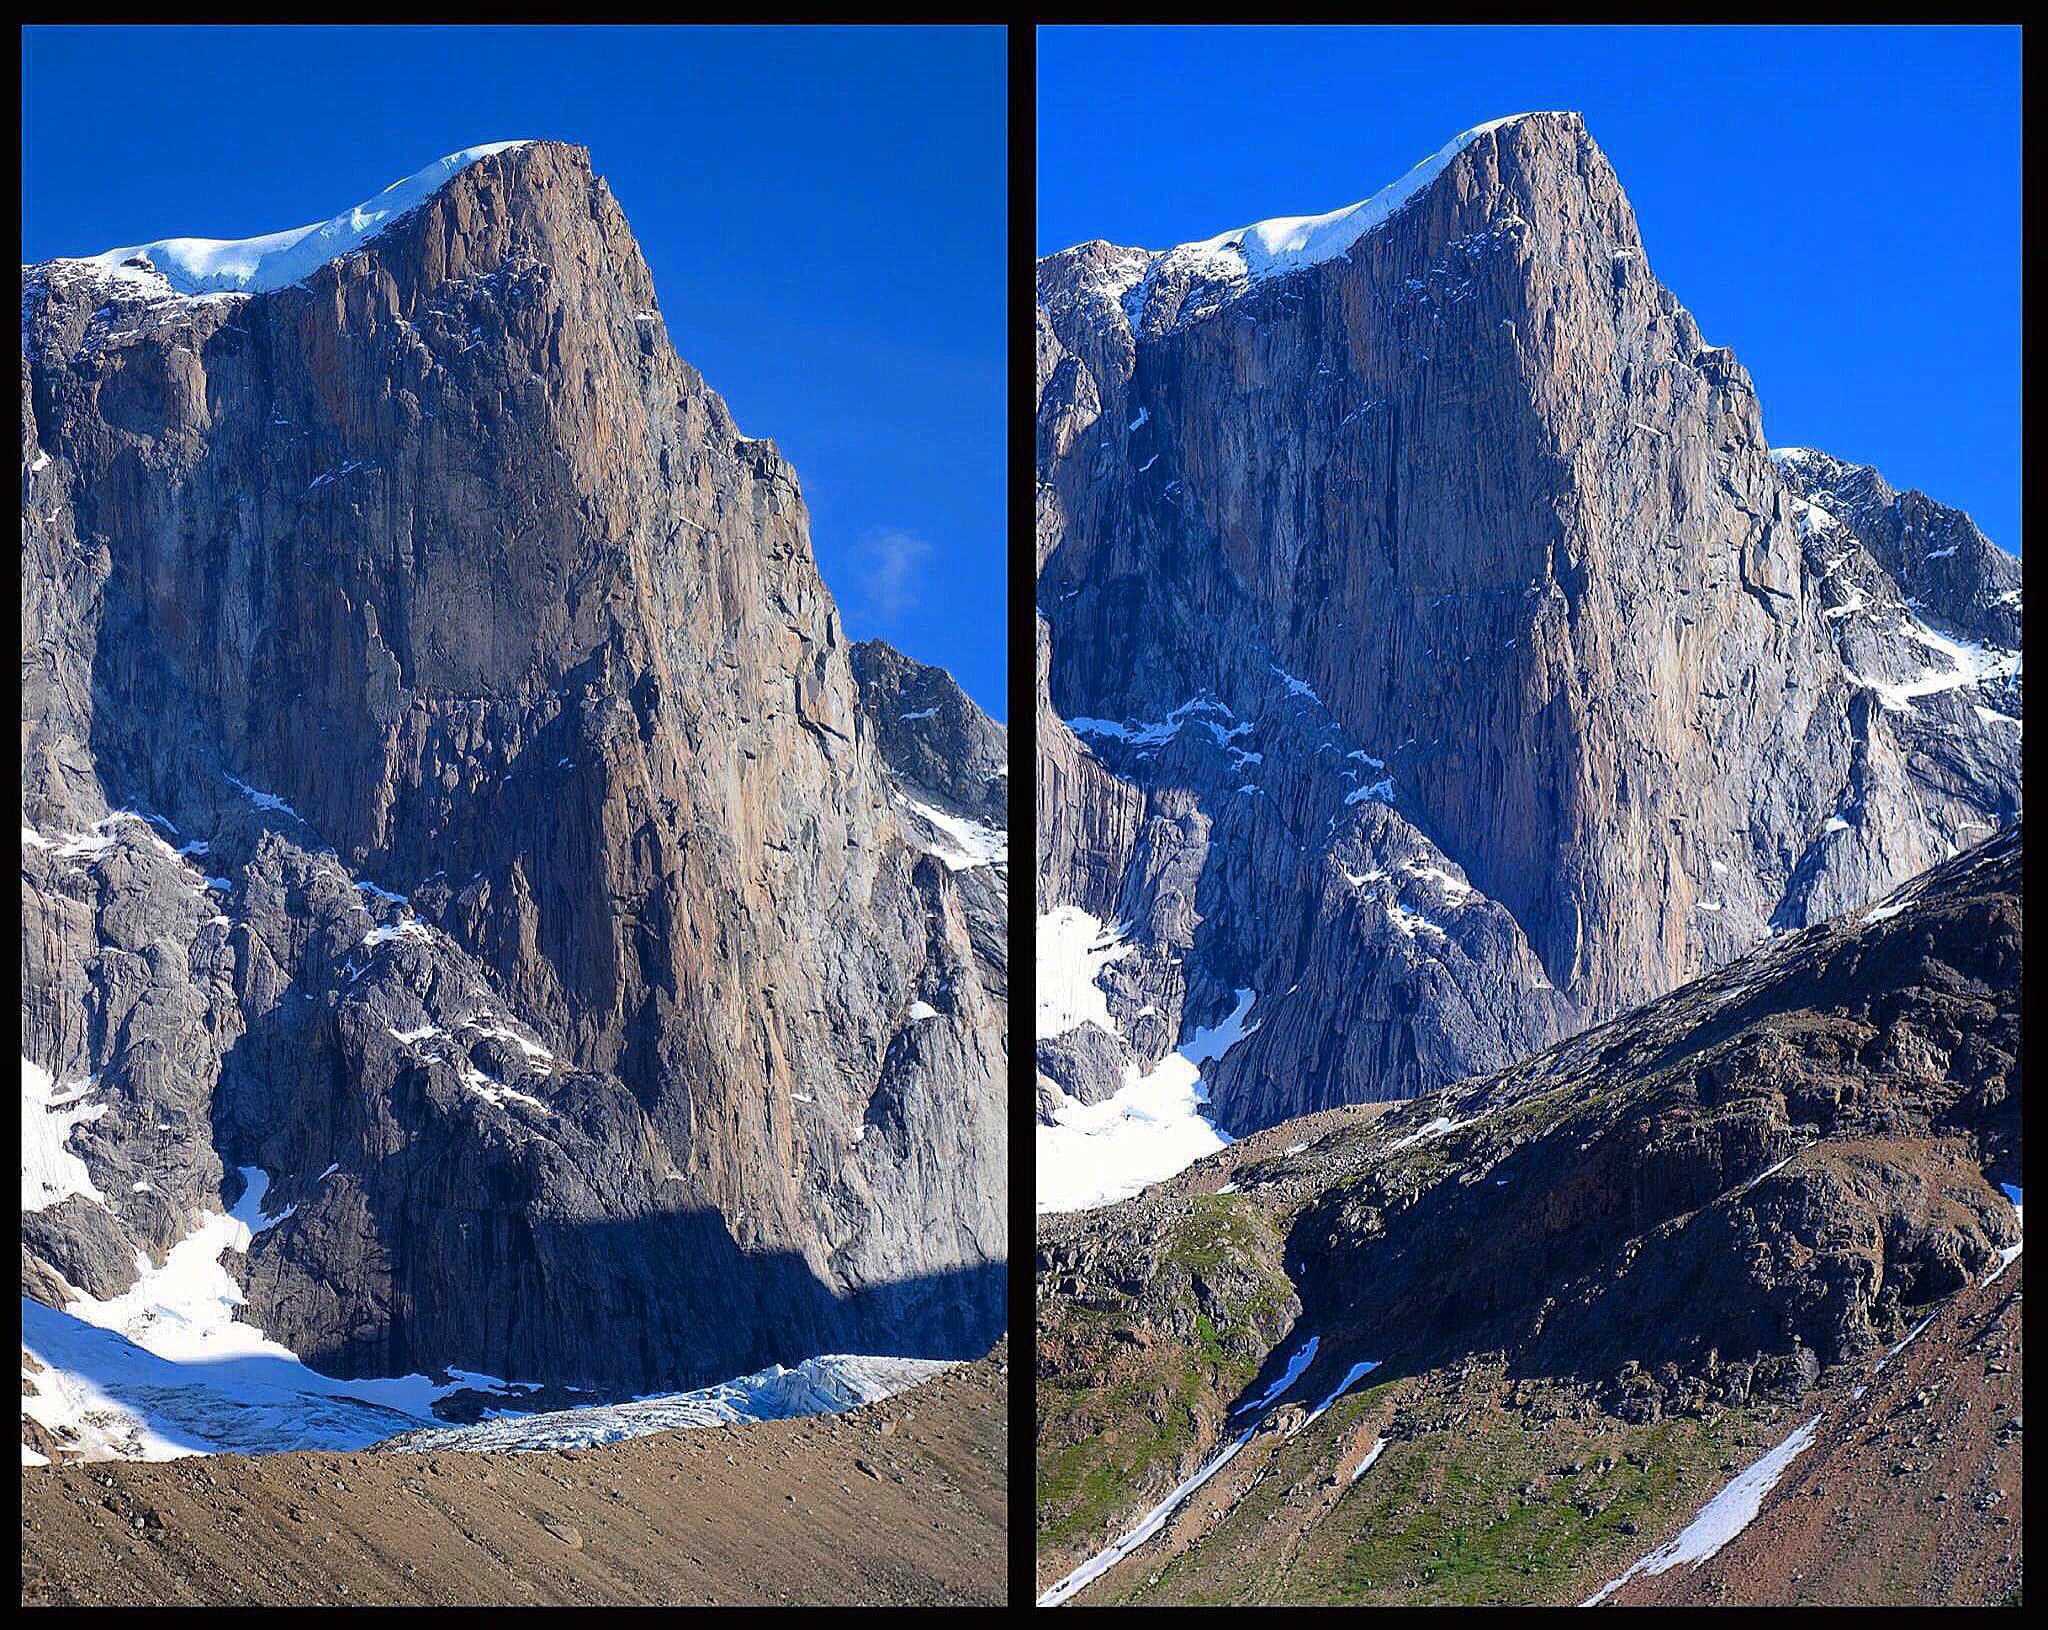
column 1231, row 263
column 273, row 260
column 1285, row 243
column 521, row 606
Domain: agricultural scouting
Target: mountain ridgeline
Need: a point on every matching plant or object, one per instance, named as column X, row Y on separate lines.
column 1430, row 644
column 447, row 790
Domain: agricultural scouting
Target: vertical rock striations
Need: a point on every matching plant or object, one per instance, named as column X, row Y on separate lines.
column 1442, row 653
column 446, row 789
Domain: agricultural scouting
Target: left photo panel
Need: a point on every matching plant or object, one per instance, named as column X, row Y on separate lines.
column 515, row 788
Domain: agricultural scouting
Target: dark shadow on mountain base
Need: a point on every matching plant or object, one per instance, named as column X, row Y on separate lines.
column 657, row 1303
column 671, row 1301
column 536, row 1246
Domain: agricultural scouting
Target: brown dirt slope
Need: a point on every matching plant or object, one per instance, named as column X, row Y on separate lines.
column 1910, row 1493
column 902, row 1502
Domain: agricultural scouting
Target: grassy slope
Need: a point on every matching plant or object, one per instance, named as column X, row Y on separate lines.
column 1122, row 1422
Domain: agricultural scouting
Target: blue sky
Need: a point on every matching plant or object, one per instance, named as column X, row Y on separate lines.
column 1840, row 206
column 825, row 212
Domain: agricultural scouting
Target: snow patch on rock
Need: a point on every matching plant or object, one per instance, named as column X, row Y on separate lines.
column 1151, row 1128
column 50, row 1172
column 274, row 260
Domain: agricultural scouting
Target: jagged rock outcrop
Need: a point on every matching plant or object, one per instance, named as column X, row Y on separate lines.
column 1932, row 556
column 931, row 734
column 446, row 790
column 950, row 763
column 1432, row 539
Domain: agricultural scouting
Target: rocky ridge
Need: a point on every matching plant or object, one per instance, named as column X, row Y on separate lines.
column 1658, row 1246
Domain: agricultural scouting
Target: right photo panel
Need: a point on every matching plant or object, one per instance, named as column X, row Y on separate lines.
column 1528, row 793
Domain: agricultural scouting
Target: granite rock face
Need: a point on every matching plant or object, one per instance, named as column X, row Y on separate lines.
column 931, row 735
column 446, row 789
column 1430, row 642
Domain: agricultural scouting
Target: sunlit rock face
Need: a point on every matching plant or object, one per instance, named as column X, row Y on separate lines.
column 446, row 791
column 1430, row 643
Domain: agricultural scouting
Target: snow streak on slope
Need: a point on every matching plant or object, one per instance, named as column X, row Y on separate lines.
column 1155, row 1519
column 1722, row 1517
column 1357, row 1373
column 1379, row 1447
column 1302, row 1358
column 817, row 1386
column 195, row 266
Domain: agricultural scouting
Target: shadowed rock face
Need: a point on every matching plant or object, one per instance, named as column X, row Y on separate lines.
column 1462, row 556
column 931, row 735
column 438, row 613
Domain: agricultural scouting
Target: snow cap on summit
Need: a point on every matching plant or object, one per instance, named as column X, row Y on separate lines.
column 1288, row 242
column 195, row 266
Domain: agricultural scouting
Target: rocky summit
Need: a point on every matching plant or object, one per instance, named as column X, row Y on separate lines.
column 1432, row 649
column 482, row 916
